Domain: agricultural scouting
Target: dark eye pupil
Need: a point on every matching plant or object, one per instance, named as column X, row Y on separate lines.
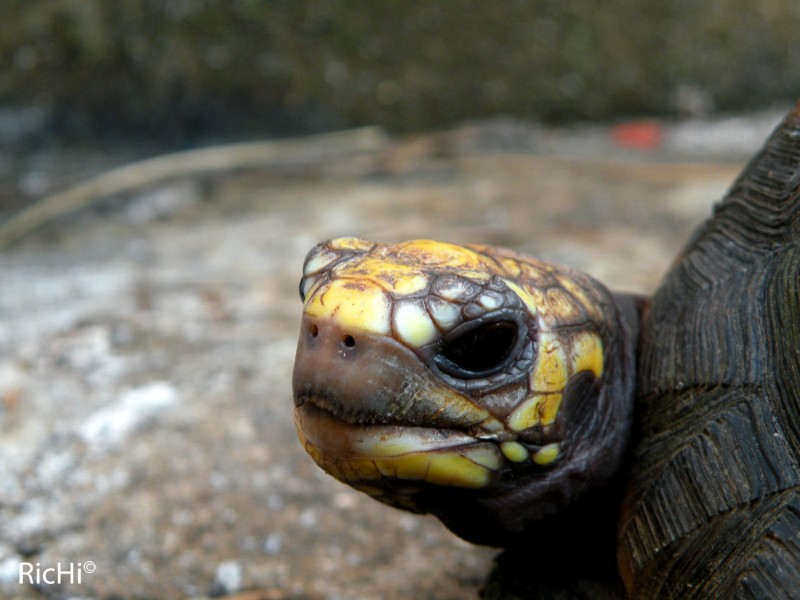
column 479, row 351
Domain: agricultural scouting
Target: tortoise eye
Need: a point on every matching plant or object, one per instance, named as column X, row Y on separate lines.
column 478, row 352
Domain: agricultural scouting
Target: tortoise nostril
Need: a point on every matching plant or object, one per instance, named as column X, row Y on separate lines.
column 313, row 331
column 348, row 341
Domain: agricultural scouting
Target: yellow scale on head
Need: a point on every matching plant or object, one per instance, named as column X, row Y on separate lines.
column 358, row 306
column 440, row 254
column 587, row 353
column 413, row 324
column 357, row 297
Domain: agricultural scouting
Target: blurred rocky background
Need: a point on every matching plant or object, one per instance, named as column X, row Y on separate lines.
column 148, row 317
column 185, row 69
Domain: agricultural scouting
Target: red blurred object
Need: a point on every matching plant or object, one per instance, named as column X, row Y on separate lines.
column 639, row 135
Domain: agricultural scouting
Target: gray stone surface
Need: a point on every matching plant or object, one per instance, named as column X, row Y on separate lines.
column 146, row 352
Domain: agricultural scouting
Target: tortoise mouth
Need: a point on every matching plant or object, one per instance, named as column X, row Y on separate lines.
column 357, row 453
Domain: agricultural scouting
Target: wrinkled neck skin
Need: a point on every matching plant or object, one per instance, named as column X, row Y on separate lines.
column 581, row 497
column 485, row 387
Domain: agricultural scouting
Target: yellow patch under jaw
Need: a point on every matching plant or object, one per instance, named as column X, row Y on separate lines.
column 467, row 468
column 443, row 468
column 355, row 453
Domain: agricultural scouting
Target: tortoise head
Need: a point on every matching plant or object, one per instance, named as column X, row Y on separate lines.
column 485, row 387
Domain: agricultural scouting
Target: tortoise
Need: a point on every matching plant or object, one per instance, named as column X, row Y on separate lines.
column 617, row 446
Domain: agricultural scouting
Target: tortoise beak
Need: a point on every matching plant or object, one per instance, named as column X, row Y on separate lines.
column 367, row 408
column 364, row 378
column 352, row 376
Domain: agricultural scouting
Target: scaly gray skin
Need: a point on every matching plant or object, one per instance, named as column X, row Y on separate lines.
column 707, row 503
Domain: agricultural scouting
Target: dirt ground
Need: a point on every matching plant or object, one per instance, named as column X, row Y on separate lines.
column 147, row 448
